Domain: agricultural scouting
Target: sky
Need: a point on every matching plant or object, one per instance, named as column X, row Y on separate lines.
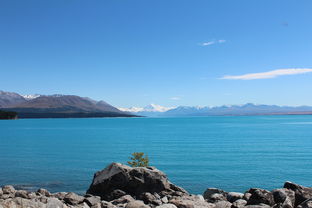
column 168, row 52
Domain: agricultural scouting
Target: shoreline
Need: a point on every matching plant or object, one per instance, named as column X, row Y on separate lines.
column 119, row 186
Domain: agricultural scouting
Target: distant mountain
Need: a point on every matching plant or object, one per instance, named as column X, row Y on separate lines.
column 58, row 106
column 150, row 110
column 30, row 97
column 247, row 109
column 10, row 98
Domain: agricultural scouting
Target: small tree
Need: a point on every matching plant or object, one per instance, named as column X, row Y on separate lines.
column 137, row 160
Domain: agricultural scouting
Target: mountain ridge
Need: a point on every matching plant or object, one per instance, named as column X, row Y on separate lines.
column 245, row 109
column 57, row 106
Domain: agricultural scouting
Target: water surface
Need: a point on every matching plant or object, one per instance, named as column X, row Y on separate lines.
column 232, row 153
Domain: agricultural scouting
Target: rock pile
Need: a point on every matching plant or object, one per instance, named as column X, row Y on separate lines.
column 120, row 186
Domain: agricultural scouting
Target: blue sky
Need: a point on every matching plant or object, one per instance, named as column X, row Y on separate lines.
column 169, row 52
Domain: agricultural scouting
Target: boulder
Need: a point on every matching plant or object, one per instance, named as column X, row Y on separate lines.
column 223, row 204
column 301, row 193
column 239, row 203
column 73, row 199
column 59, row 195
column 55, row 203
column 123, row 200
column 1, row 192
column 22, row 194
column 105, row 204
column 8, row 189
column 216, row 197
column 210, row 191
column 92, row 200
column 191, row 201
column 136, row 204
column 167, row 206
column 284, row 197
column 306, row 204
column 131, row 180
column 233, row 196
column 44, row 192
column 260, row 196
column 258, row 206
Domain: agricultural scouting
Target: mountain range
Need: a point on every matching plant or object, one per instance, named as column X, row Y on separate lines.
column 68, row 106
column 57, row 106
column 231, row 110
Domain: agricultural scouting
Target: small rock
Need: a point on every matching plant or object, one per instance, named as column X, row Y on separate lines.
column 8, row 189
column 55, row 203
column 284, row 197
column 233, row 196
column 210, row 191
column 106, row 204
column 136, row 204
column 306, row 204
column 216, row 197
column 1, row 192
column 123, row 200
column 22, row 194
column 164, row 200
column 259, row 196
column 258, row 206
column 223, row 204
column 32, row 195
column 167, row 206
column 301, row 193
column 239, row 203
column 44, row 192
column 59, row 195
column 93, row 200
column 247, row 196
column 73, row 199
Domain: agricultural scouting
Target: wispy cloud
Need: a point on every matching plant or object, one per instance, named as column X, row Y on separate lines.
column 269, row 74
column 175, row 98
column 212, row 42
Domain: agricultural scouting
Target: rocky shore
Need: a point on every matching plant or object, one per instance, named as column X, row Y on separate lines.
column 122, row 186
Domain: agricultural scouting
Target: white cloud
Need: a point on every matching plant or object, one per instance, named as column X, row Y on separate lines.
column 269, row 74
column 208, row 43
column 212, row 42
column 175, row 98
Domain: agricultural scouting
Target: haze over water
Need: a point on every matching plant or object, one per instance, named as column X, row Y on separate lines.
column 232, row 153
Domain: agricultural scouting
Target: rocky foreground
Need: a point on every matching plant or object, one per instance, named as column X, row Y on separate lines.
column 122, row 186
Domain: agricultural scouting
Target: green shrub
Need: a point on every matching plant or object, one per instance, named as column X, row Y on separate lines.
column 138, row 160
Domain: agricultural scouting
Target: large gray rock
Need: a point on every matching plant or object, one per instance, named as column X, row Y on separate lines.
column 306, row 204
column 302, row 193
column 284, row 198
column 136, row 204
column 133, row 181
column 233, row 196
column 55, row 203
column 8, row 189
column 73, row 199
column 239, row 203
column 260, row 196
column 210, row 196
column 223, row 204
column 167, row 206
column 191, row 201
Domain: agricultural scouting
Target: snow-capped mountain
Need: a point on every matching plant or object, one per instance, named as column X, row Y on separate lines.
column 246, row 109
column 149, row 108
column 30, row 97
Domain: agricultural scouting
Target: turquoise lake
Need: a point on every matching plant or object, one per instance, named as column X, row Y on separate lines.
column 231, row 153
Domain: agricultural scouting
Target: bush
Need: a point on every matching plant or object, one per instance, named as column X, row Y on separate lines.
column 137, row 160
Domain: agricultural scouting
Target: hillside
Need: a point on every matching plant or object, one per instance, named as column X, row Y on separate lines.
column 58, row 106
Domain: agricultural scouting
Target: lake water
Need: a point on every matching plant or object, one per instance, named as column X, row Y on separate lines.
column 232, row 153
